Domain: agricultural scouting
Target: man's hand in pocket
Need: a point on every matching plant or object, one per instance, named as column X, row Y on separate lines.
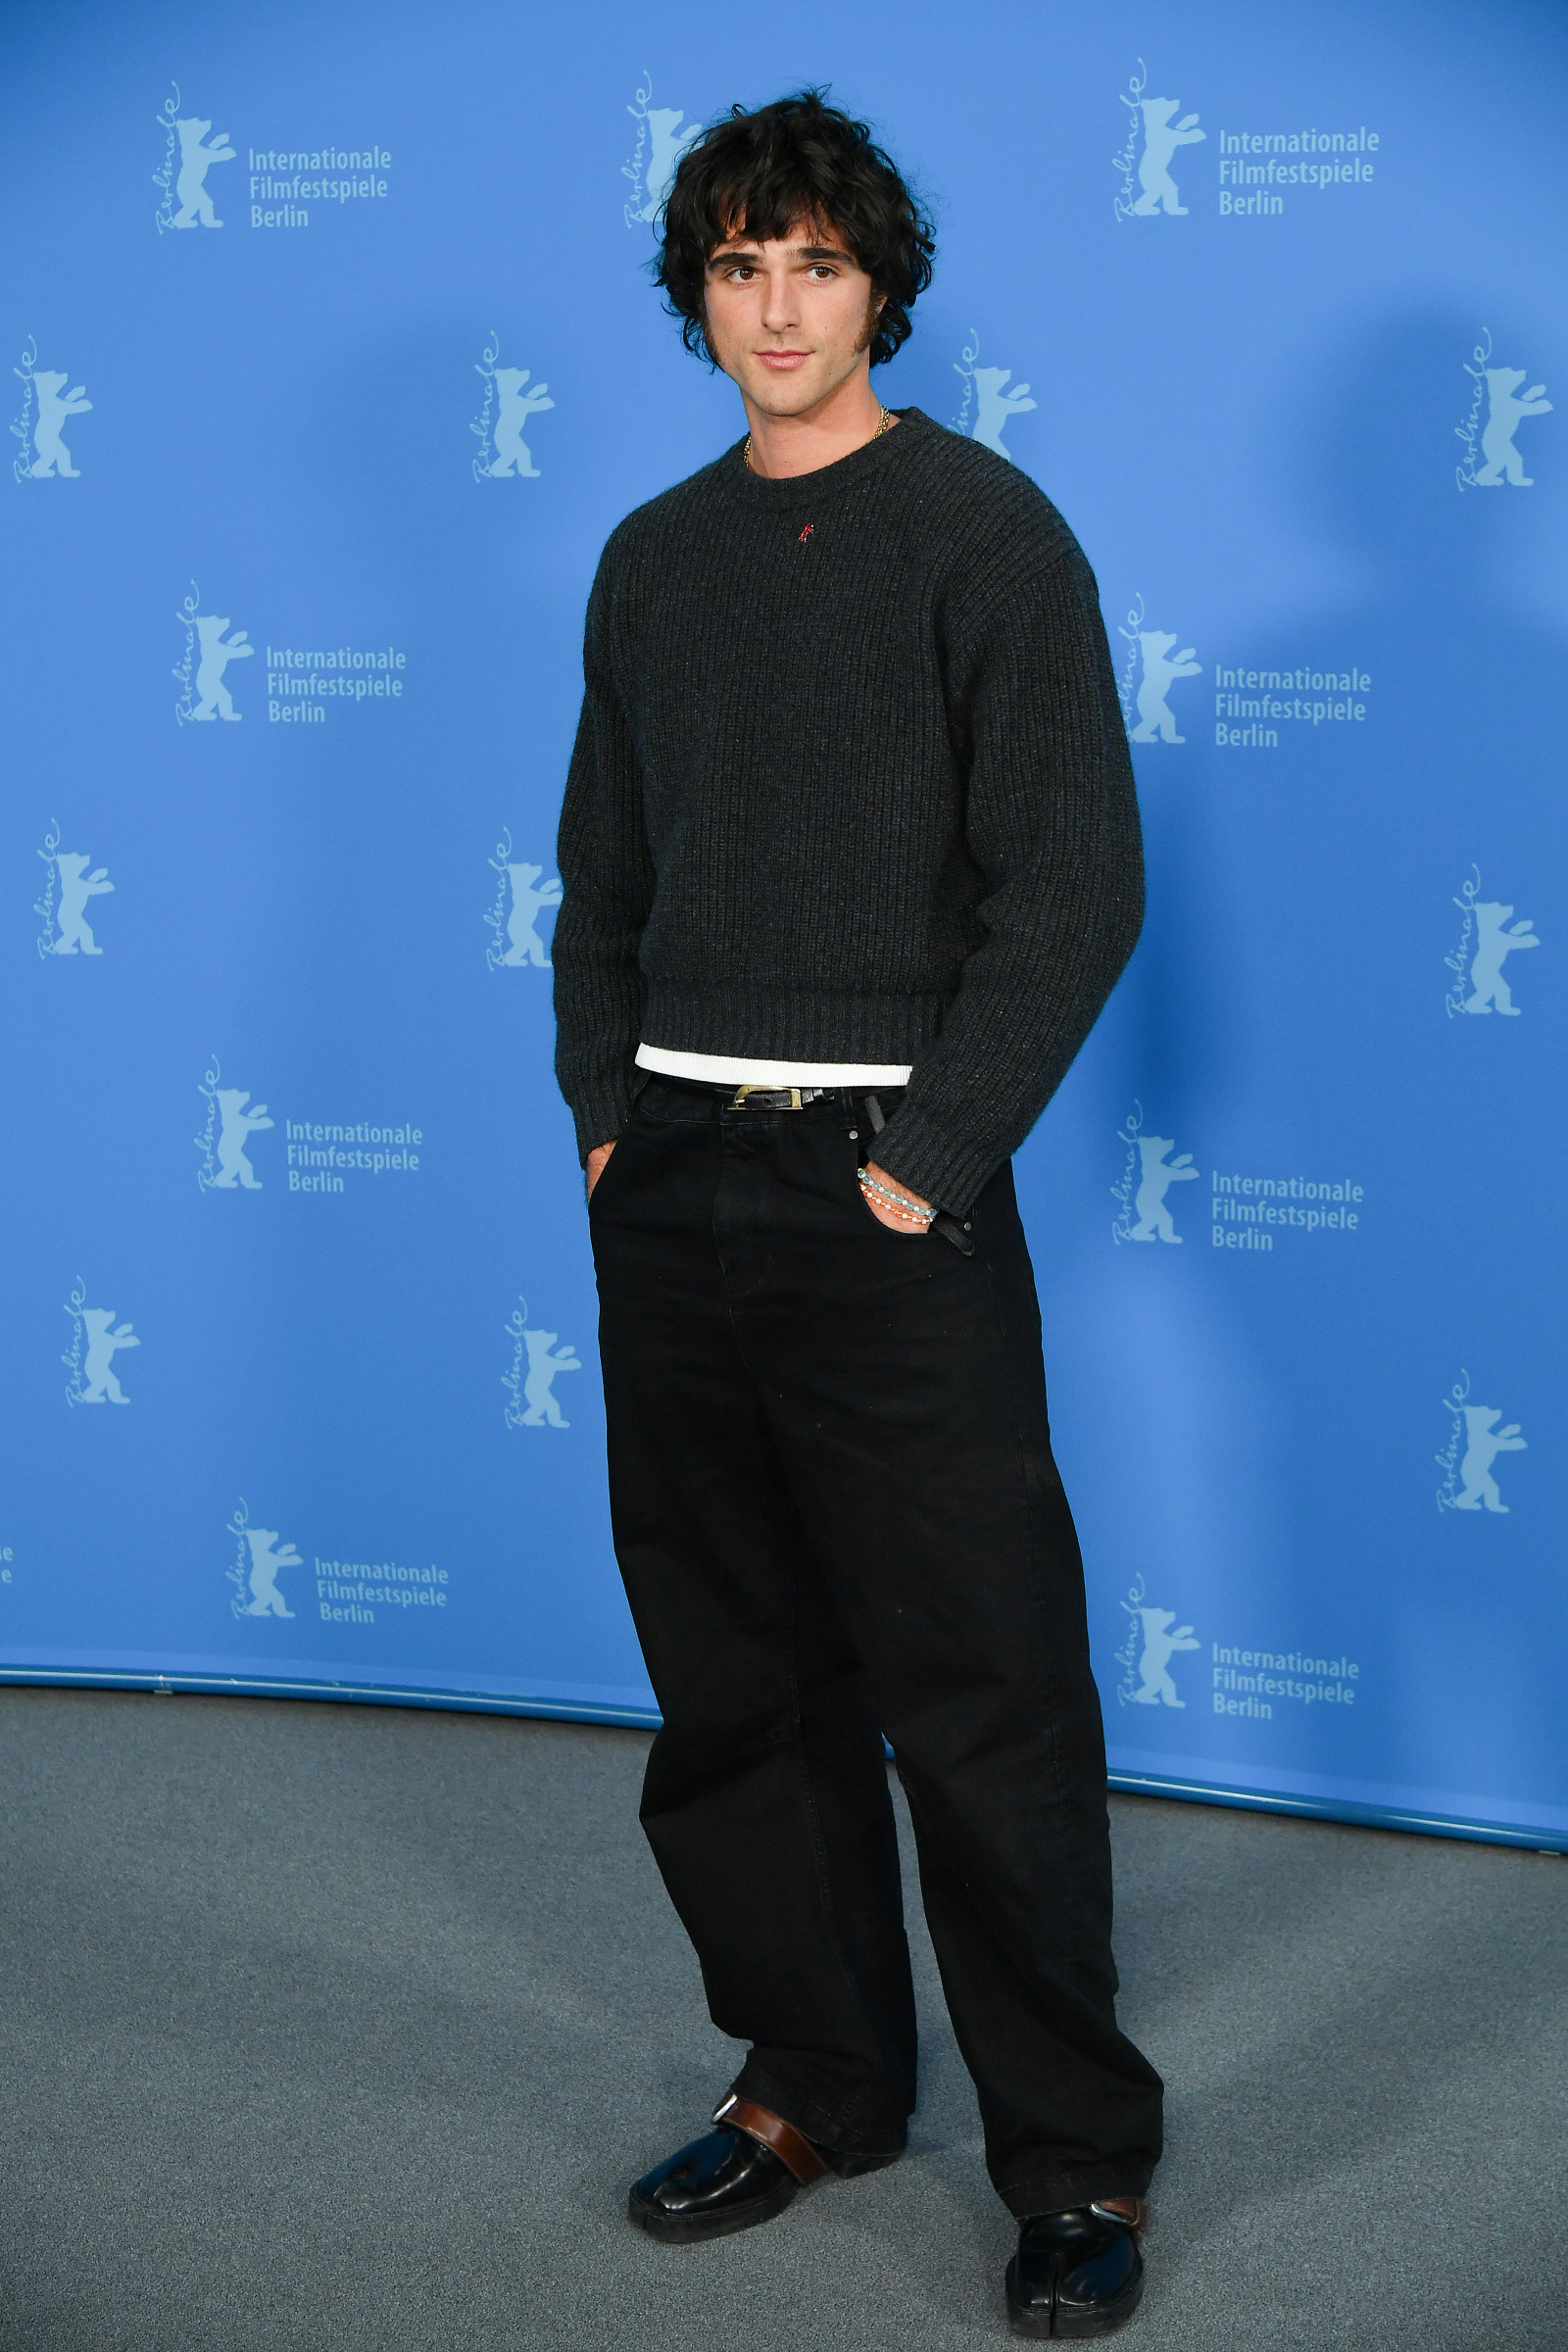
column 598, row 1160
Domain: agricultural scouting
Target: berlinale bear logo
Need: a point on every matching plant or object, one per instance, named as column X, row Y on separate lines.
column 225, row 1164
column 213, row 700
column 1488, row 938
column 1474, row 1445
column 237, row 1128
column 69, row 920
column 1153, row 1639
column 545, row 1361
column 104, row 1337
column 1160, row 669
column 209, row 650
column 530, row 897
column 1490, row 459
column 1149, row 671
column 260, row 1552
column 512, row 455
column 994, row 406
column 652, row 162
column 1159, row 1175
column 96, row 1339
column 265, row 1600
column 1152, row 125
column 1489, row 989
column 1146, row 1179
column 46, row 408
column 1503, row 417
column 195, row 161
column 1485, row 1441
column 189, row 156
column 55, row 406
column 517, row 923
column 503, row 455
column 531, row 1401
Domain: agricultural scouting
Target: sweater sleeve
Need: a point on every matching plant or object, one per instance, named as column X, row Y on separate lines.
column 1052, row 825
column 608, row 880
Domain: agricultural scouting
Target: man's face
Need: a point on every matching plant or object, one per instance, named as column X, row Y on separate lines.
column 791, row 319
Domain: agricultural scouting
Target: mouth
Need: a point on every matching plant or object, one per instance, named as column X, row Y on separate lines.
column 781, row 361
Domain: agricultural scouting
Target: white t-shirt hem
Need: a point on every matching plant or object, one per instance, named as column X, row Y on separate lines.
column 731, row 1069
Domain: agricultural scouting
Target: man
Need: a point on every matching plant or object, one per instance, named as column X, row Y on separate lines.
column 852, row 862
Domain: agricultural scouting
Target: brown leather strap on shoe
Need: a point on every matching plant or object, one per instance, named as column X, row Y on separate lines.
column 792, row 2148
column 1130, row 2212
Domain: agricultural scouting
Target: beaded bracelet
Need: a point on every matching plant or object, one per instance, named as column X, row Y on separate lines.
column 900, row 1202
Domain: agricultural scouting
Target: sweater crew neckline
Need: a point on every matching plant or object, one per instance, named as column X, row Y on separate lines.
column 823, row 483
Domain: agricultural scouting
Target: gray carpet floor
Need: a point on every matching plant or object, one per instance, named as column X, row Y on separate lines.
column 334, row 2026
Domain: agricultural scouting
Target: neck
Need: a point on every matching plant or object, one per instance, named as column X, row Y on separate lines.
column 835, row 428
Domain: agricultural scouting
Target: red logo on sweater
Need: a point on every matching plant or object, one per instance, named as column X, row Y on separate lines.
column 809, row 528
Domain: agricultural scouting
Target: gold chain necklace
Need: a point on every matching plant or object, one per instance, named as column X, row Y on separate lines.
column 887, row 419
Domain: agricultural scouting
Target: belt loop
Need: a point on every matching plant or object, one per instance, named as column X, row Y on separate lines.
column 874, row 1111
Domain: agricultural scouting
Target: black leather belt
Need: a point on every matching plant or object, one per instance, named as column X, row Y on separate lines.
column 772, row 1097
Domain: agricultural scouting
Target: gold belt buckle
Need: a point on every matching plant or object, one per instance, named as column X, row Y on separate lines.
column 741, row 1093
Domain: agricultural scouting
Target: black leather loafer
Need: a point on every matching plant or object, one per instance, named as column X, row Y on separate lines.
column 714, row 2184
column 1079, row 2273
column 743, row 2171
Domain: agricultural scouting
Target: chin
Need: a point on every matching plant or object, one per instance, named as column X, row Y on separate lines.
column 786, row 395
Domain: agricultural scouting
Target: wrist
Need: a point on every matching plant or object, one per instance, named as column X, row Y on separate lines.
column 890, row 1196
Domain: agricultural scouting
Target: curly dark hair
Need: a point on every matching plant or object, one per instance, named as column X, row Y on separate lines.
column 758, row 174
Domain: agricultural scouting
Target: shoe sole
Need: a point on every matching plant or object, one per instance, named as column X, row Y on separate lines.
column 685, row 2229
column 1056, row 2323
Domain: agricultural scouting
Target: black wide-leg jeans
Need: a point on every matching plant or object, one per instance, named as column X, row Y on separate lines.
column 838, row 1516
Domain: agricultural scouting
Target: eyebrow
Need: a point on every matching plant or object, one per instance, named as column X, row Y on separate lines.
column 799, row 253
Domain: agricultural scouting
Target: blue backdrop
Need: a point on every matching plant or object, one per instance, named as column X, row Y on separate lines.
column 334, row 362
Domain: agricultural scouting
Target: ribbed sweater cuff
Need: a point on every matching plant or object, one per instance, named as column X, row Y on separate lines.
column 940, row 1166
column 601, row 1113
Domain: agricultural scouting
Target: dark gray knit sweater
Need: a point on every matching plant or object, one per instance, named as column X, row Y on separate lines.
column 851, row 784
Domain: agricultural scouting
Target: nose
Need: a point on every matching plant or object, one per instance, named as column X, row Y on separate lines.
column 780, row 309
